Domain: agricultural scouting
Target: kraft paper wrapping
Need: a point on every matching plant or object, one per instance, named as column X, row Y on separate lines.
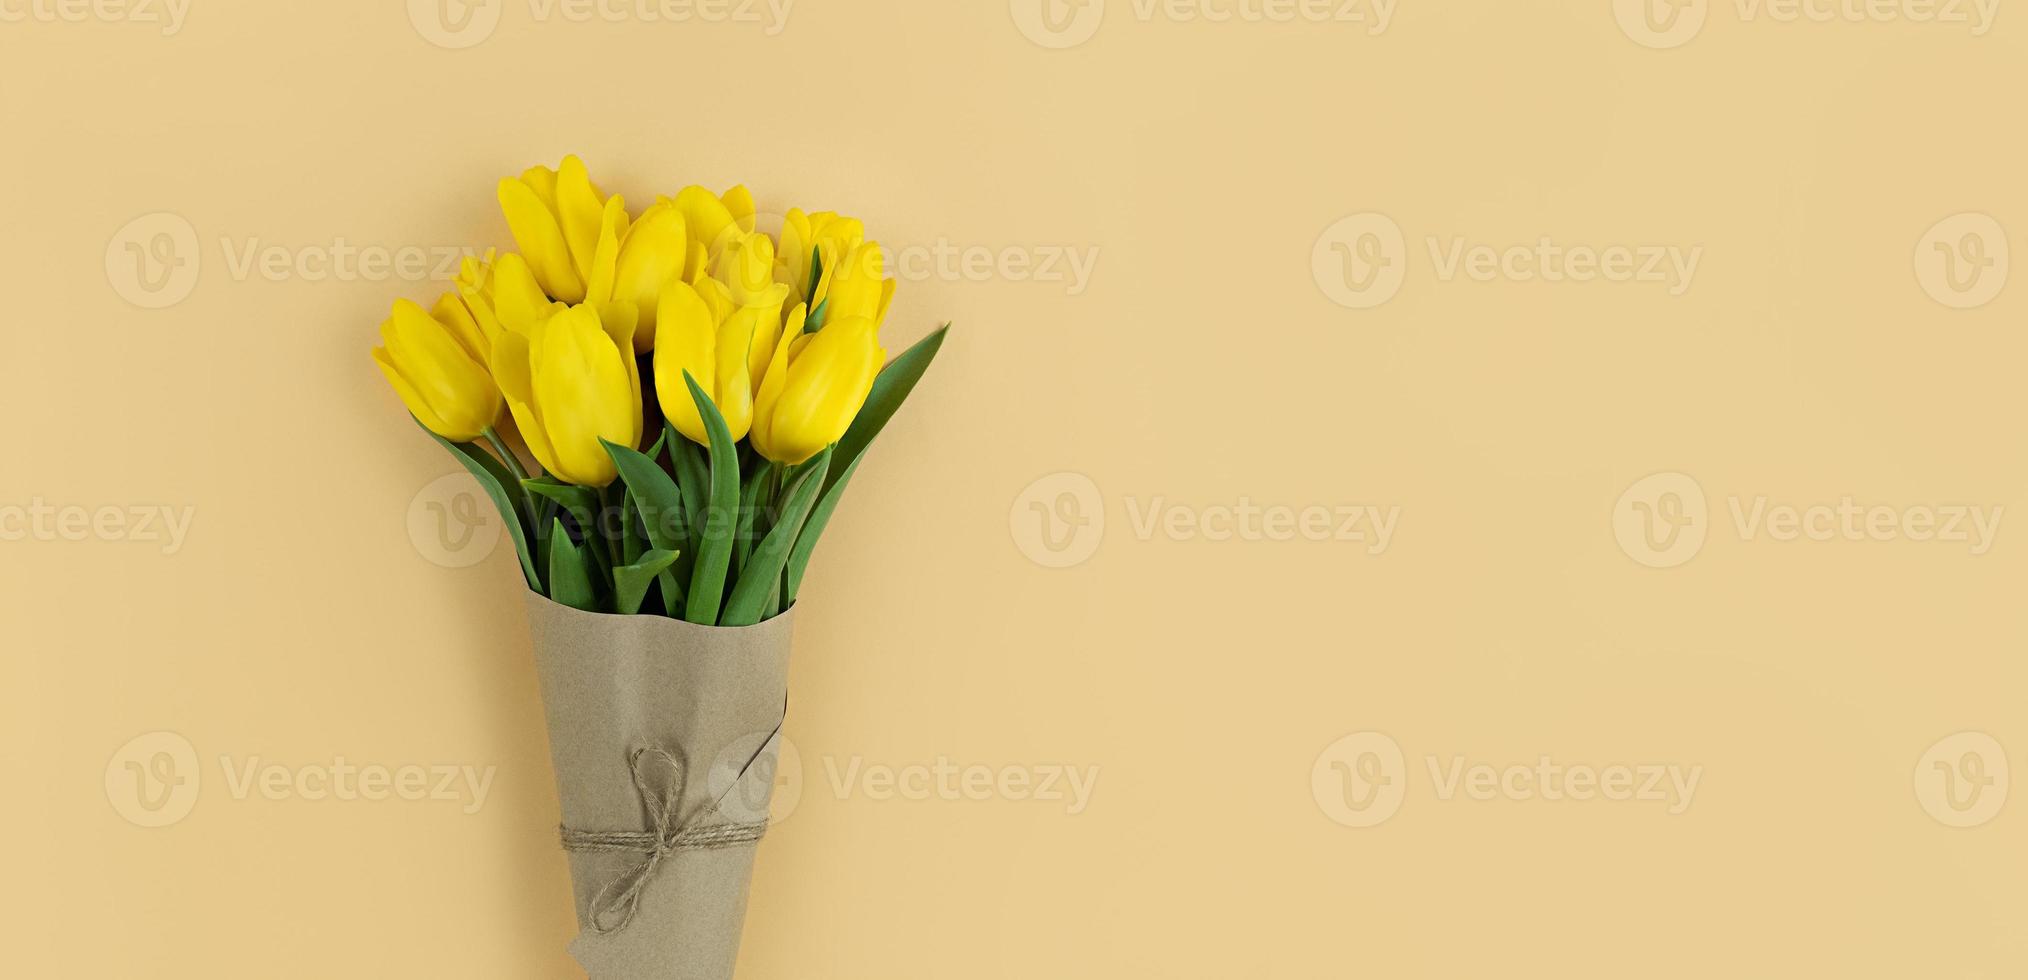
column 619, row 691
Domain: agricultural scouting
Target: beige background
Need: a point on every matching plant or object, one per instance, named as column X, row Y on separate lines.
column 312, row 611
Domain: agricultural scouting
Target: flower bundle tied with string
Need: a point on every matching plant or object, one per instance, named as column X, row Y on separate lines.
column 661, row 572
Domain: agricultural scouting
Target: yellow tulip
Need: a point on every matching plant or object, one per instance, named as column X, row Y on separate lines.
column 437, row 375
column 739, row 203
column 571, row 381
column 713, row 222
column 603, row 275
column 556, row 218
column 746, row 265
column 518, row 302
column 656, row 250
column 704, row 332
column 806, row 236
column 468, row 308
column 815, row 386
column 707, row 216
column 747, row 269
column 853, row 286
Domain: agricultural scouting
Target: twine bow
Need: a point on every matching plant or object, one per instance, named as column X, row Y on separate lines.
column 614, row 906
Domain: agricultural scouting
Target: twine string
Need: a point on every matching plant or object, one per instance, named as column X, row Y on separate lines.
column 614, row 906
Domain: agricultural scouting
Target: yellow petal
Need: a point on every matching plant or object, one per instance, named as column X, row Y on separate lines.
column 767, row 331
column 856, row 289
column 718, row 298
column 621, row 323
column 739, row 203
column 603, row 268
column 707, row 218
column 582, row 213
column 686, row 335
column 886, row 301
column 653, row 254
column 542, row 181
column 733, row 393
column 435, row 368
column 452, row 312
column 512, row 359
column 517, row 300
column 416, row 403
column 477, row 272
column 825, row 388
column 537, row 232
column 480, row 306
column 696, row 265
column 827, row 261
column 581, row 384
column 773, row 380
column 414, row 338
column 797, row 248
column 747, row 268
column 835, row 238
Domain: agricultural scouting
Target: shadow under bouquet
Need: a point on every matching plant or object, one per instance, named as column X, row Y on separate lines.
column 696, row 393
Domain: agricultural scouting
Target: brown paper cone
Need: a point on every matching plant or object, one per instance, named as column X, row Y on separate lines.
column 619, row 691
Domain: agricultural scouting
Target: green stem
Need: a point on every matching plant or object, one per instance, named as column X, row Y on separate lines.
column 531, row 511
column 611, row 506
column 506, row 455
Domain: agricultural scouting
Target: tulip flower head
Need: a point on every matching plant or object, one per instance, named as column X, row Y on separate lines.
column 438, row 372
column 813, row 240
column 854, row 284
column 571, row 382
column 779, row 330
column 705, row 333
column 693, row 280
column 814, row 386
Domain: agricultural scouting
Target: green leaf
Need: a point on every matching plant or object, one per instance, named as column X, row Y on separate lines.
column 693, row 475
column 749, row 512
column 494, row 479
column 632, row 541
column 815, row 321
column 806, row 542
column 585, row 507
column 714, row 545
column 890, row 389
column 693, row 478
column 630, row 582
column 764, row 575
column 568, row 582
column 581, row 502
column 660, row 504
column 612, row 504
column 545, row 510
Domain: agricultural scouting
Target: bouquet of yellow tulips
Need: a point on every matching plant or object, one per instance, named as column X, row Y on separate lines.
column 754, row 362
column 763, row 358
